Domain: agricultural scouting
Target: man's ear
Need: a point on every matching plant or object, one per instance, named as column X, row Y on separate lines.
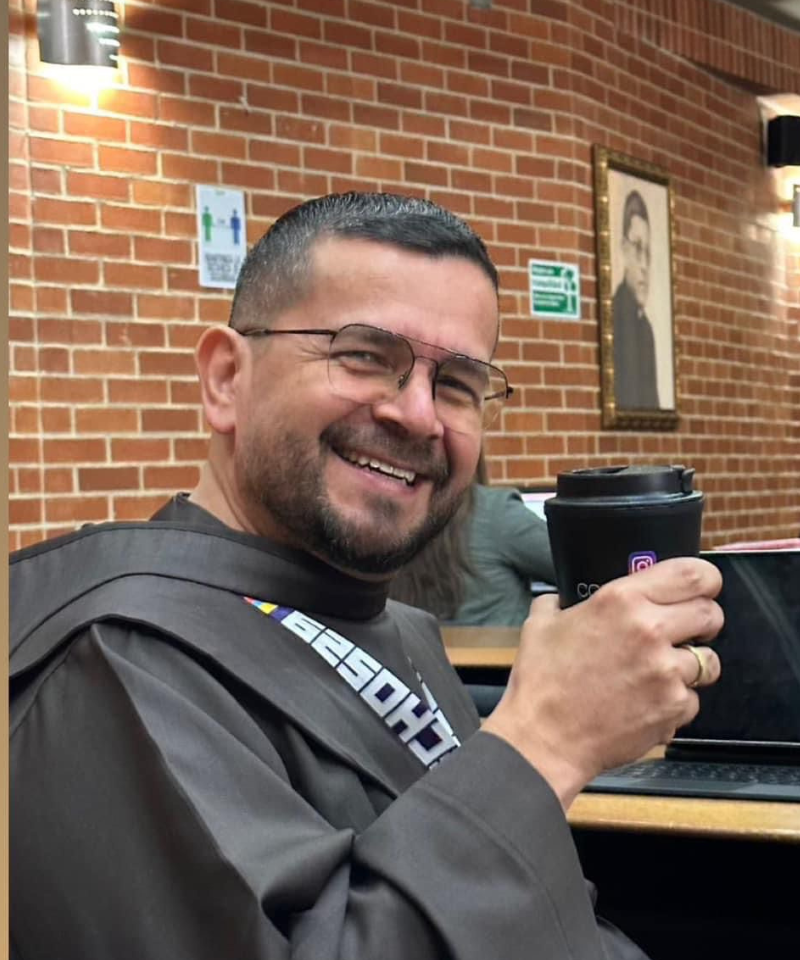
column 219, row 357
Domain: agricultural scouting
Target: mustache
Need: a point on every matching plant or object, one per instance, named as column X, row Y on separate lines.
column 421, row 456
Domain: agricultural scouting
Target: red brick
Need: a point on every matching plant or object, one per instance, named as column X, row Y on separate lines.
column 56, row 419
column 219, row 145
column 272, row 45
column 133, row 275
column 336, row 107
column 294, row 24
column 66, row 152
column 136, row 391
column 347, row 35
column 159, row 135
column 82, row 242
column 170, row 364
column 175, row 166
column 323, row 55
column 162, row 251
column 167, row 307
column 103, row 361
column 190, row 449
column 244, row 68
column 375, row 65
column 156, row 78
column 240, row 11
column 44, row 119
column 74, row 451
column 131, row 219
column 188, row 55
column 139, row 450
column 334, row 161
column 48, row 240
column 66, row 270
column 158, row 194
column 182, row 393
column 137, row 508
column 213, row 32
column 107, row 420
column 53, row 360
column 188, row 111
column 171, row 478
column 102, row 129
column 78, row 509
column 294, row 128
column 170, row 420
column 245, row 120
column 71, row 390
column 103, row 302
column 385, row 117
column 63, row 211
column 59, row 480
column 122, row 160
column 28, row 510
column 97, row 185
column 129, row 103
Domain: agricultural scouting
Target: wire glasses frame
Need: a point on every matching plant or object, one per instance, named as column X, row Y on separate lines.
column 370, row 365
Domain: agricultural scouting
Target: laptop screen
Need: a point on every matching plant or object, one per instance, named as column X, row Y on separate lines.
column 757, row 698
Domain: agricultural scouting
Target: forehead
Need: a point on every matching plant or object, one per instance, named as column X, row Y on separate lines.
column 446, row 301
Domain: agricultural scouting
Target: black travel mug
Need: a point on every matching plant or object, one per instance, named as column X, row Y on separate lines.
column 606, row 522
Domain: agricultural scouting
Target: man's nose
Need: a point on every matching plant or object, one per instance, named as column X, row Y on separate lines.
column 414, row 407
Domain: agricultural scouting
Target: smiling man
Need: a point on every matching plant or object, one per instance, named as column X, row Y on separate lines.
column 226, row 742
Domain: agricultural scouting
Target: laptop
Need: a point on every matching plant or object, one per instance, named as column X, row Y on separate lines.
column 745, row 742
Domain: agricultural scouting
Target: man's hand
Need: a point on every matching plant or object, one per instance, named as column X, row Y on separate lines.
column 601, row 683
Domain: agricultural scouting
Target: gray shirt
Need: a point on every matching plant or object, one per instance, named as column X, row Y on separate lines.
column 508, row 547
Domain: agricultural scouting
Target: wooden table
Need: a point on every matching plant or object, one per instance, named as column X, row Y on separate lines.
column 492, row 650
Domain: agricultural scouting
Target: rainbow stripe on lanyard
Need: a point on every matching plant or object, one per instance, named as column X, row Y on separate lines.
column 421, row 726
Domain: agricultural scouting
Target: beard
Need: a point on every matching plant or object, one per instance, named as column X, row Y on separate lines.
column 291, row 489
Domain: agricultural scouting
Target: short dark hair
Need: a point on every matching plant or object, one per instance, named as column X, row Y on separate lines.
column 634, row 207
column 277, row 270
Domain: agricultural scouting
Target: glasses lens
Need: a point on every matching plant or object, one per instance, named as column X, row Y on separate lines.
column 469, row 393
column 368, row 365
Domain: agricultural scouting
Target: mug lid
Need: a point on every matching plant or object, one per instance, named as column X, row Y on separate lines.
column 625, row 481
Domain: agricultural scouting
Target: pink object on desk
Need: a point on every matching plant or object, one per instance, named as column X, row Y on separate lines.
column 793, row 543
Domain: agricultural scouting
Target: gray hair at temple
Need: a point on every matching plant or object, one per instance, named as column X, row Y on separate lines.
column 277, row 271
column 634, row 207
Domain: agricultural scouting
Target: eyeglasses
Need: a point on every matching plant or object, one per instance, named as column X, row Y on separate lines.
column 641, row 250
column 370, row 365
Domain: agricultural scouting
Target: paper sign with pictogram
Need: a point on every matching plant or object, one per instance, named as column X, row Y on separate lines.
column 221, row 233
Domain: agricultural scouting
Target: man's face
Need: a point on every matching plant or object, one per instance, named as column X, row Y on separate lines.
column 636, row 254
column 300, row 449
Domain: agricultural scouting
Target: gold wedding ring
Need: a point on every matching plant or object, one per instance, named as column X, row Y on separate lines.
column 701, row 666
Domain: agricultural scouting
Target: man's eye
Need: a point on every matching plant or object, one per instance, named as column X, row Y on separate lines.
column 363, row 360
column 455, row 390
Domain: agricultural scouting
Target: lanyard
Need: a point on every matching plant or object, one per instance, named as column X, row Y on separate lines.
column 421, row 726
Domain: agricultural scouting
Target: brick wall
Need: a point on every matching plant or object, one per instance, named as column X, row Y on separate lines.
column 492, row 113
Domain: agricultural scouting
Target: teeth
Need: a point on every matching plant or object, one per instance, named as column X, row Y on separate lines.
column 408, row 475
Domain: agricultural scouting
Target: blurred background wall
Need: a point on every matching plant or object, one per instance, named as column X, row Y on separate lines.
column 492, row 112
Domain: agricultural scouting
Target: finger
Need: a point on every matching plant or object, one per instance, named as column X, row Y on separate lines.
column 700, row 666
column 700, row 619
column 677, row 579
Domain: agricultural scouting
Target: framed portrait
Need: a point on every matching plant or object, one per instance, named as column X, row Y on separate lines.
column 633, row 216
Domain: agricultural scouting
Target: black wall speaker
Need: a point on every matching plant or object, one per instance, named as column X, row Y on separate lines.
column 783, row 142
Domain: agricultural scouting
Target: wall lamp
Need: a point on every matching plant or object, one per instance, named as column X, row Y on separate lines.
column 78, row 32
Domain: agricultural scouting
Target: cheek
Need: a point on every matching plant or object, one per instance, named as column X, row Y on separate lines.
column 463, row 452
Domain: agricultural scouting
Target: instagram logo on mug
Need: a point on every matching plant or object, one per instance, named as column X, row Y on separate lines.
column 641, row 560
column 601, row 518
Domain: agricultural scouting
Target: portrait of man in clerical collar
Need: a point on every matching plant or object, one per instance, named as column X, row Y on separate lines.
column 636, row 310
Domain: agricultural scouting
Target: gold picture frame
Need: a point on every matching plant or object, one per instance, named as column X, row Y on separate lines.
column 635, row 283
